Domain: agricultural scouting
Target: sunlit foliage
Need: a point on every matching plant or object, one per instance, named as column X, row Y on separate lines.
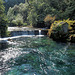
column 11, row 3
column 35, row 11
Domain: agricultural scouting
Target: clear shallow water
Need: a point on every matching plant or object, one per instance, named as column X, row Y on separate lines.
column 37, row 56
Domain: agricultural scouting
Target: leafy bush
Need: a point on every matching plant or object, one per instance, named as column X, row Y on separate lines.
column 49, row 20
column 18, row 20
column 25, row 24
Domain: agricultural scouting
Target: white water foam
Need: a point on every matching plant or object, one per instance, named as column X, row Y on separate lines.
column 3, row 40
column 39, row 32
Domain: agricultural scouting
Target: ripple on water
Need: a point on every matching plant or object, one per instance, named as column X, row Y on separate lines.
column 37, row 56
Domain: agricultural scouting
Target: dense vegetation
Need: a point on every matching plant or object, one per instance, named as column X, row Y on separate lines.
column 38, row 13
column 3, row 20
column 33, row 12
column 11, row 3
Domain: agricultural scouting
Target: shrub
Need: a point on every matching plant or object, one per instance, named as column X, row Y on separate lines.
column 25, row 24
column 49, row 20
column 18, row 20
column 3, row 20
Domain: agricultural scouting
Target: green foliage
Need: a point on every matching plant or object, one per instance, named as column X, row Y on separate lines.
column 11, row 3
column 10, row 14
column 18, row 14
column 49, row 20
column 18, row 20
column 3, row 20
column 34, row 11
column 25, row 24
column 32, row 18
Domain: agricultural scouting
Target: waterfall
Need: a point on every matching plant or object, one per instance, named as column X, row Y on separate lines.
column 28, row 32
column 39, row 32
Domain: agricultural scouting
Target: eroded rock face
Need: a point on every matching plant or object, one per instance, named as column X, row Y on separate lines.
column 60, row 31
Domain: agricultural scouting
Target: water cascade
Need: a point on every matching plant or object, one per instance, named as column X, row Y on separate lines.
column 19, row 31
column 39, row 32
column 28, row 32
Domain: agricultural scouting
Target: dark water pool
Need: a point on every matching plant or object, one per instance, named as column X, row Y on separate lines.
column 37, row 56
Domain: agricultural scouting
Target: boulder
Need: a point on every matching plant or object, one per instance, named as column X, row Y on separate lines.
column 59, row 31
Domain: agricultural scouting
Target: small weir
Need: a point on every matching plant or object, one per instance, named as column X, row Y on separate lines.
column 28, row 32
column 25, row 33
column 16, row 31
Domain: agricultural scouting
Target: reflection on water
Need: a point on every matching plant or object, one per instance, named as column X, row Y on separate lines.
column 37, row 56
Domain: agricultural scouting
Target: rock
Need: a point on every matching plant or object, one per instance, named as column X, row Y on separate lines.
column 9, row 39
column 65, row 28
column 60, row 31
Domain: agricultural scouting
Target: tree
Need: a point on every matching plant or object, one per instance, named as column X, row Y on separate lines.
column 18, row 12
column 3, row 20
column 11, row 3
column 34, row 11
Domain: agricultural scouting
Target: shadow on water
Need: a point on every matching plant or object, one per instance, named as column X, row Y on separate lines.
column 3, row 46
column 38, row 56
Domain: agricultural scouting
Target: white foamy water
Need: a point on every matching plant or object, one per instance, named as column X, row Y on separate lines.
column 39, row 32
column 21, row 36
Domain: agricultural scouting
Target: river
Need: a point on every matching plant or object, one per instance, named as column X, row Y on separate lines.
column 37, row 56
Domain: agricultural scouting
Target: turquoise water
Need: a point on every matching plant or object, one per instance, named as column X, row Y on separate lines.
column 37, row 56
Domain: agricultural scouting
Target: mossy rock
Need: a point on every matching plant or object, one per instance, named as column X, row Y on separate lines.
column 59, row 31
